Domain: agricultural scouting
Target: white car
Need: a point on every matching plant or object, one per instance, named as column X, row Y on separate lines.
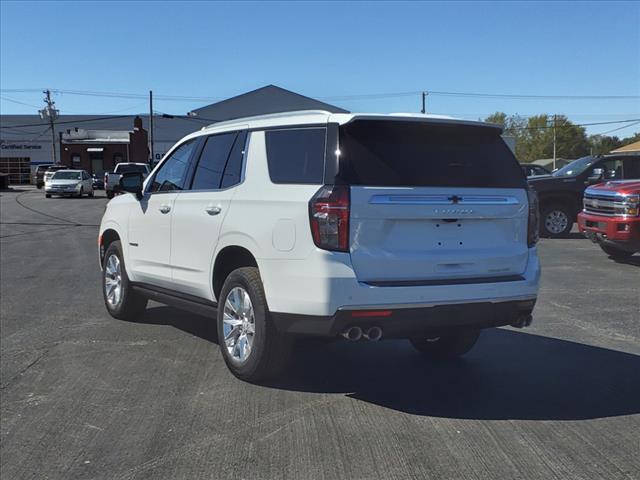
column 334, row 225
column 69, row 183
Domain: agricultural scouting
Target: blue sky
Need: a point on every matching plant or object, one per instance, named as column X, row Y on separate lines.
column 327, row 50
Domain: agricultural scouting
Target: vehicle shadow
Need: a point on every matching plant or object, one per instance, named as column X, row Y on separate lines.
column 635, row 260
column 508, row 375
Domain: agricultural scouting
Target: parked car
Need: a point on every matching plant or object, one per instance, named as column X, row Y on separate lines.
column 112, row 178
column 98, row 182
column 50, row 171
column 531, row 169
column 333, row 225
column 561, row 192
column 38, row 175
column 69, row 183
column 611, row 217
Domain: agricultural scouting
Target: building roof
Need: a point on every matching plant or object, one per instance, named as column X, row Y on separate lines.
column 631, row 148
column 265, row 100
column 33, row 129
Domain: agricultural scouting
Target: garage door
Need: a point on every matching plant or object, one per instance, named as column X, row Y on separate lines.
column 17, row 168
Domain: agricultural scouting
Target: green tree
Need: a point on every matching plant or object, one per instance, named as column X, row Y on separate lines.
column 534, row 136
column 601, row 144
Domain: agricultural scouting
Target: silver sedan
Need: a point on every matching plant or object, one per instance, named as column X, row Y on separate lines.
column 69, row 183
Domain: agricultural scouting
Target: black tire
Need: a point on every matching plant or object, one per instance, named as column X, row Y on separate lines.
column 614, row 252
column 130, row 305
column 556, row 220
column 110, row 194
column 447, row 347
column 91, row 193
column 47, row 195
column 270, row 349
column 81, row 192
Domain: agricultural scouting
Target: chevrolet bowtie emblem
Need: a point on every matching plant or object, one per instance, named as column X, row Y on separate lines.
column 455, row 198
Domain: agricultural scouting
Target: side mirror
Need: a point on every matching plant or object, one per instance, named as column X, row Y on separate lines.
column 596, row 176
column 131, row 182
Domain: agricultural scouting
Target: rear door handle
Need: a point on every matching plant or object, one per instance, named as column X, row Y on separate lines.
column 213, row 210
column 165, row 208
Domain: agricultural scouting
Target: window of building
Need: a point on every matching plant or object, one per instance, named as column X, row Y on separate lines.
column 296, row 155
column 75, row 158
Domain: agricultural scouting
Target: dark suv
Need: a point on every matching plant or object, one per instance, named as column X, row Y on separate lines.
column 561, row 192
column 38, row 174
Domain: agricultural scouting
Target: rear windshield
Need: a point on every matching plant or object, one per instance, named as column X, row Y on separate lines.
column 396, row 153
column 132, row 168
column 67, row 175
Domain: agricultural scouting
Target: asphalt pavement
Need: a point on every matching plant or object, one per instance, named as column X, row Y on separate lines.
column 85, row 396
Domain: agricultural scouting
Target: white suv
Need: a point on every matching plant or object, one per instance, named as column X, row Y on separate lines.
column 319, row 224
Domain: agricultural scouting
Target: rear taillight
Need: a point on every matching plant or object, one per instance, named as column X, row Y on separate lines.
column 533, row 225
column 329, row 218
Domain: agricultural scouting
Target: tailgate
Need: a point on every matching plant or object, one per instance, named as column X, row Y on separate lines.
column 426, row 235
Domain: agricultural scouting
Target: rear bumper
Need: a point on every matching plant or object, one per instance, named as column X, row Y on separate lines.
column 411, row 322
column 319, row 288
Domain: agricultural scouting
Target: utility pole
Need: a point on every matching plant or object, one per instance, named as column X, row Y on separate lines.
column 50, row 113
column 424, row 102
column 554, row 141
column 151, row 127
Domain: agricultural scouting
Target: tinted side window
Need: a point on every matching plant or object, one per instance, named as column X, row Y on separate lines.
column 212, row 161
column 233, row 171
column 612, row 169
column 173, row 172
column 296, row 155
column 632, row 167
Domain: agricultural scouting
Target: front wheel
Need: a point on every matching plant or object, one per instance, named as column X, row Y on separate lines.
column 47, row 195
column 614, row 252
column 119, row 298
column 556, row 221
column 447, row 347
column 109, row 194
column 251, row 346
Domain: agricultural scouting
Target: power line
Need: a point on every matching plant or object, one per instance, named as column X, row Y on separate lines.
column 618, row 128
column 369, row 96
column 575, row 125
column 18, row 102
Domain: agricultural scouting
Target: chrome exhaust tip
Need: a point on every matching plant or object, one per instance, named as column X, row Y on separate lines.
column 373, row 334
column 353, row 334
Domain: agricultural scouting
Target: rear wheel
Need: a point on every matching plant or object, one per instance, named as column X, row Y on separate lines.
column 556, row 220
column 448, row 346
column 119, row 298
column 251, row 346
column 614, row 252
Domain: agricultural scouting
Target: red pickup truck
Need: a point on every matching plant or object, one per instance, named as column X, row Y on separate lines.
column 611, row 217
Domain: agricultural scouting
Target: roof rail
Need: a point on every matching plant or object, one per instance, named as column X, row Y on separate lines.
column 267, row 116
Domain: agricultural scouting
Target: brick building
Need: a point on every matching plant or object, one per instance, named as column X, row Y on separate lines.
column 99, row 150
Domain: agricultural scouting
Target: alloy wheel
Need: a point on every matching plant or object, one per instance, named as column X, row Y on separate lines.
column 238, row 324
column 113, row 280
column 556, row 221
